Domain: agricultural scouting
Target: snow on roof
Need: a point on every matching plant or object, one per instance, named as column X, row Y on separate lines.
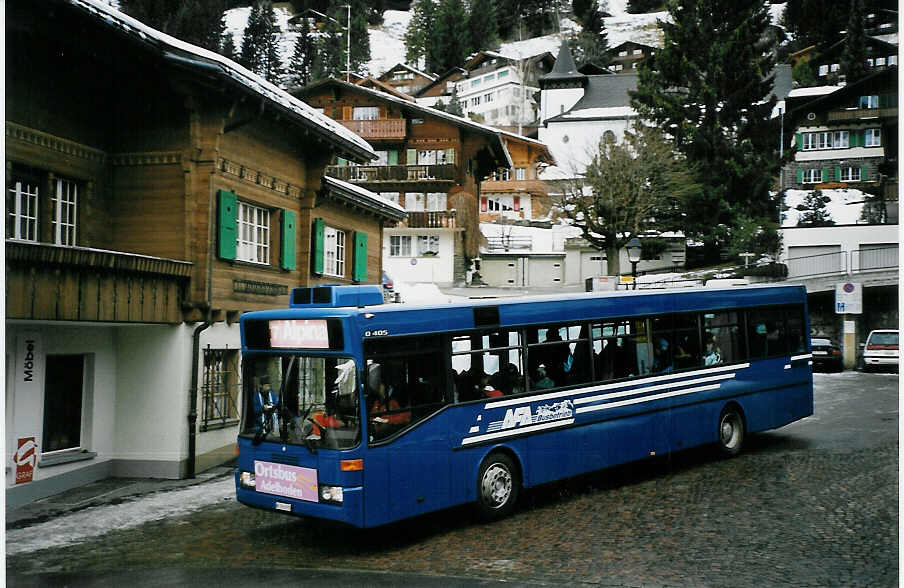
column 365, row 194
column 230, row 68
column 814, row 91
column 599, row 113
column 844, row 208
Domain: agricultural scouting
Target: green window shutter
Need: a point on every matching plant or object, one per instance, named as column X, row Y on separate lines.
column 411, row 157
column 287, row 241
column 317, row 246
column 227, row 224
column 856, row 139
column 863, row 172
column 827, row 174
column 800, row 175
column 392, row 157
column 837, row 174
column 799, row 140
column 341, row 162
column 359, row 270
column 450, row 155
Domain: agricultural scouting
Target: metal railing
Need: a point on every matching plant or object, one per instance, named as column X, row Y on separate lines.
column 392, row 173
column 434, row 219
column 839, row 262
column 507, row 243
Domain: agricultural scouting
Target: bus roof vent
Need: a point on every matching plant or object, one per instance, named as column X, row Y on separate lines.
column 336, row 296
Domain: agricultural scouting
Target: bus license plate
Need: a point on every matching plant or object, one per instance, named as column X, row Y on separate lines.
column 284, row 506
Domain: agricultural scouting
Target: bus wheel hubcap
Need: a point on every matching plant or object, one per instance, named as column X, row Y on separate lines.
column 729, row 431
column 497, row 485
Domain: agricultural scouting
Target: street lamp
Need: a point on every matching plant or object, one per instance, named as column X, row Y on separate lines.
column 633, row 249
column 348, row 34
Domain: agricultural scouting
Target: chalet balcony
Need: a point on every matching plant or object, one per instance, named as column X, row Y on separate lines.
column 514, row 186
column 367, row 174
column 393, row 128
column 863, row 113
column 434, row 219
column 48, row 282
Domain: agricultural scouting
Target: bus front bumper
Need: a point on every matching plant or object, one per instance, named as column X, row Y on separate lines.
column 350, row 511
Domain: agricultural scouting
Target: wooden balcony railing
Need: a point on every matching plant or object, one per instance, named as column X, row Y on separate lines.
column 863, row 113
column 438, row 219
column 392, row 173
column 47, row 282
column 393, row 128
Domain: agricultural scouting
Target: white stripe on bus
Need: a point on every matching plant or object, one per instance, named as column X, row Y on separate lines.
column 588, row 399
column 518, row 431
column 600, row 388
column 652, row 397
column 804, row 356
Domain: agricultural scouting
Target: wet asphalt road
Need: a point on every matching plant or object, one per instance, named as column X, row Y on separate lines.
column 812, row 504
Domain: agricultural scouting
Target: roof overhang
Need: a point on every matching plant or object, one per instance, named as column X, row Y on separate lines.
column 361, row 199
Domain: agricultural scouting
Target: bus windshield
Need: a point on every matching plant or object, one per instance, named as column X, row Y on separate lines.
column 302, row 400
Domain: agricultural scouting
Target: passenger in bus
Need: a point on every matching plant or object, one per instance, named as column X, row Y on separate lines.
column 662, row 356
column 265, row 401
column 385, row 410
column 712, row 355
column 542, row 380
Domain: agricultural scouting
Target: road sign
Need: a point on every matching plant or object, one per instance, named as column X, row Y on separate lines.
column 848, row 298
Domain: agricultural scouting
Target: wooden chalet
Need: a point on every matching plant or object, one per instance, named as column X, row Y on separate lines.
column 155, row 192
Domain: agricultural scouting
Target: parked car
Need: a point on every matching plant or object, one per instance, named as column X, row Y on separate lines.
column 881, row 350
column 826, row 355
column 387, row 282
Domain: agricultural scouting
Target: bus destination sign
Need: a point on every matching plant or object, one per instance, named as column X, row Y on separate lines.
column 299, row 334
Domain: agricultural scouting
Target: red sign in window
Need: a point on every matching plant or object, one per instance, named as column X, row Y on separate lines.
column 299, row 334
column 26, row 457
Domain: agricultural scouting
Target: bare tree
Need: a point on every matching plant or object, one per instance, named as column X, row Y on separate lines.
column 628, row 189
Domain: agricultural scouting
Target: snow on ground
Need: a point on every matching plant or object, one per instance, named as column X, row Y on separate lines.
column 237, row 20
column 844, row 208
column 387, row 42
column 542, row 240
column 97, row 521
column 423, row 293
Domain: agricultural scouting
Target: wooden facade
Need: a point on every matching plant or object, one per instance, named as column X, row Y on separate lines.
column 528, row 155
column 142, row 142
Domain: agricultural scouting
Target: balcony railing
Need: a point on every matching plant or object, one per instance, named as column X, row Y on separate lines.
column 434, row 219
column 393, row 128
column 859, row 113
column 47, row 282
column 392, row 173
column 507, row 243
column 842, row 261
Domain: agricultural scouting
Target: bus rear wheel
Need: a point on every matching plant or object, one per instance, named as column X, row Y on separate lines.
column 498, row 484
column 731, row 430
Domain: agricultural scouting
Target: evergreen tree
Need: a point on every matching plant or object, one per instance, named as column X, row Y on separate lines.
column 417, row 36
column 580, row 8
column 198, row 22
column 591, row 45
column 227, row 46
column 302, row 61
column 454, row 106
column 804, row 75
column 853, row 59
column 362, row 11
column 331, row 46
column 259, row 51
column 813, row 211
column 710, row 87
column 482, row 26
column 450, row 35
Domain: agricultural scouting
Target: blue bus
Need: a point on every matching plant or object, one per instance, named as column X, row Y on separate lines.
column 367, row 413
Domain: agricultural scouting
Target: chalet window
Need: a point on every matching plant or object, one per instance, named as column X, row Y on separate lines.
column 622, row 53
column 850, row 174
column 400, row 246
column 22, row 207
column 892, row 60
column 502, row 175
column 872, row 138
column 880, row 61
column 841, row 139
column 869, row 101
column 488, row 97
column 365, row 113
column 436, row 201
column 500, row 203
column 619, row 67
column 220, row 387
column 391, row 196
column 520, row 173
column 475, row 83
column 63, row 210
column 415, row 201
column 638, row 52
column 253, row 234
column 834, row 67
column 811, row 176
column 428, row 245
column 475, row 101
column 823, row 70
column 333, row 252
column 435, row 156
column 502, row 74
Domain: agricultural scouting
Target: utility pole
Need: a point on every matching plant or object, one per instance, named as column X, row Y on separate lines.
column 348, row 44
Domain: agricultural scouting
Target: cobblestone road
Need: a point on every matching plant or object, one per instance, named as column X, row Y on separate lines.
column 812, row 504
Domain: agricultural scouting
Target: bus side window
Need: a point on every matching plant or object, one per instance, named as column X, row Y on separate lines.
column 722, row 340
column 766, row 333
column 795, row 331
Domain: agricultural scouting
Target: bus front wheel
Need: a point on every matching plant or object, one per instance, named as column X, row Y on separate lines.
column 498, row 484
column 731, row 430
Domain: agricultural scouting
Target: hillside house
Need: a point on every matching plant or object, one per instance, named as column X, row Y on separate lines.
column 627, row 57
column 155, row 192
column 429, row 162
column 406, row 79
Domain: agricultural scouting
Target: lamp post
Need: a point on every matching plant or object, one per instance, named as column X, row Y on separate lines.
column 348, row 35
column 633, row 249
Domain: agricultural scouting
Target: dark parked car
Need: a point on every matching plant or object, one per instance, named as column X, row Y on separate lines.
column 826, row 355
column 387, row 281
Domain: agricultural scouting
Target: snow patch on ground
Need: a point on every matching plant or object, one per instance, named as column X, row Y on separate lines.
column 97, row 521
column 845, row 206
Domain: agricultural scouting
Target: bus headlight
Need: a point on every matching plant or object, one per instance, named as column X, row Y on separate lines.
column 246, row 479
column 332, row 494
